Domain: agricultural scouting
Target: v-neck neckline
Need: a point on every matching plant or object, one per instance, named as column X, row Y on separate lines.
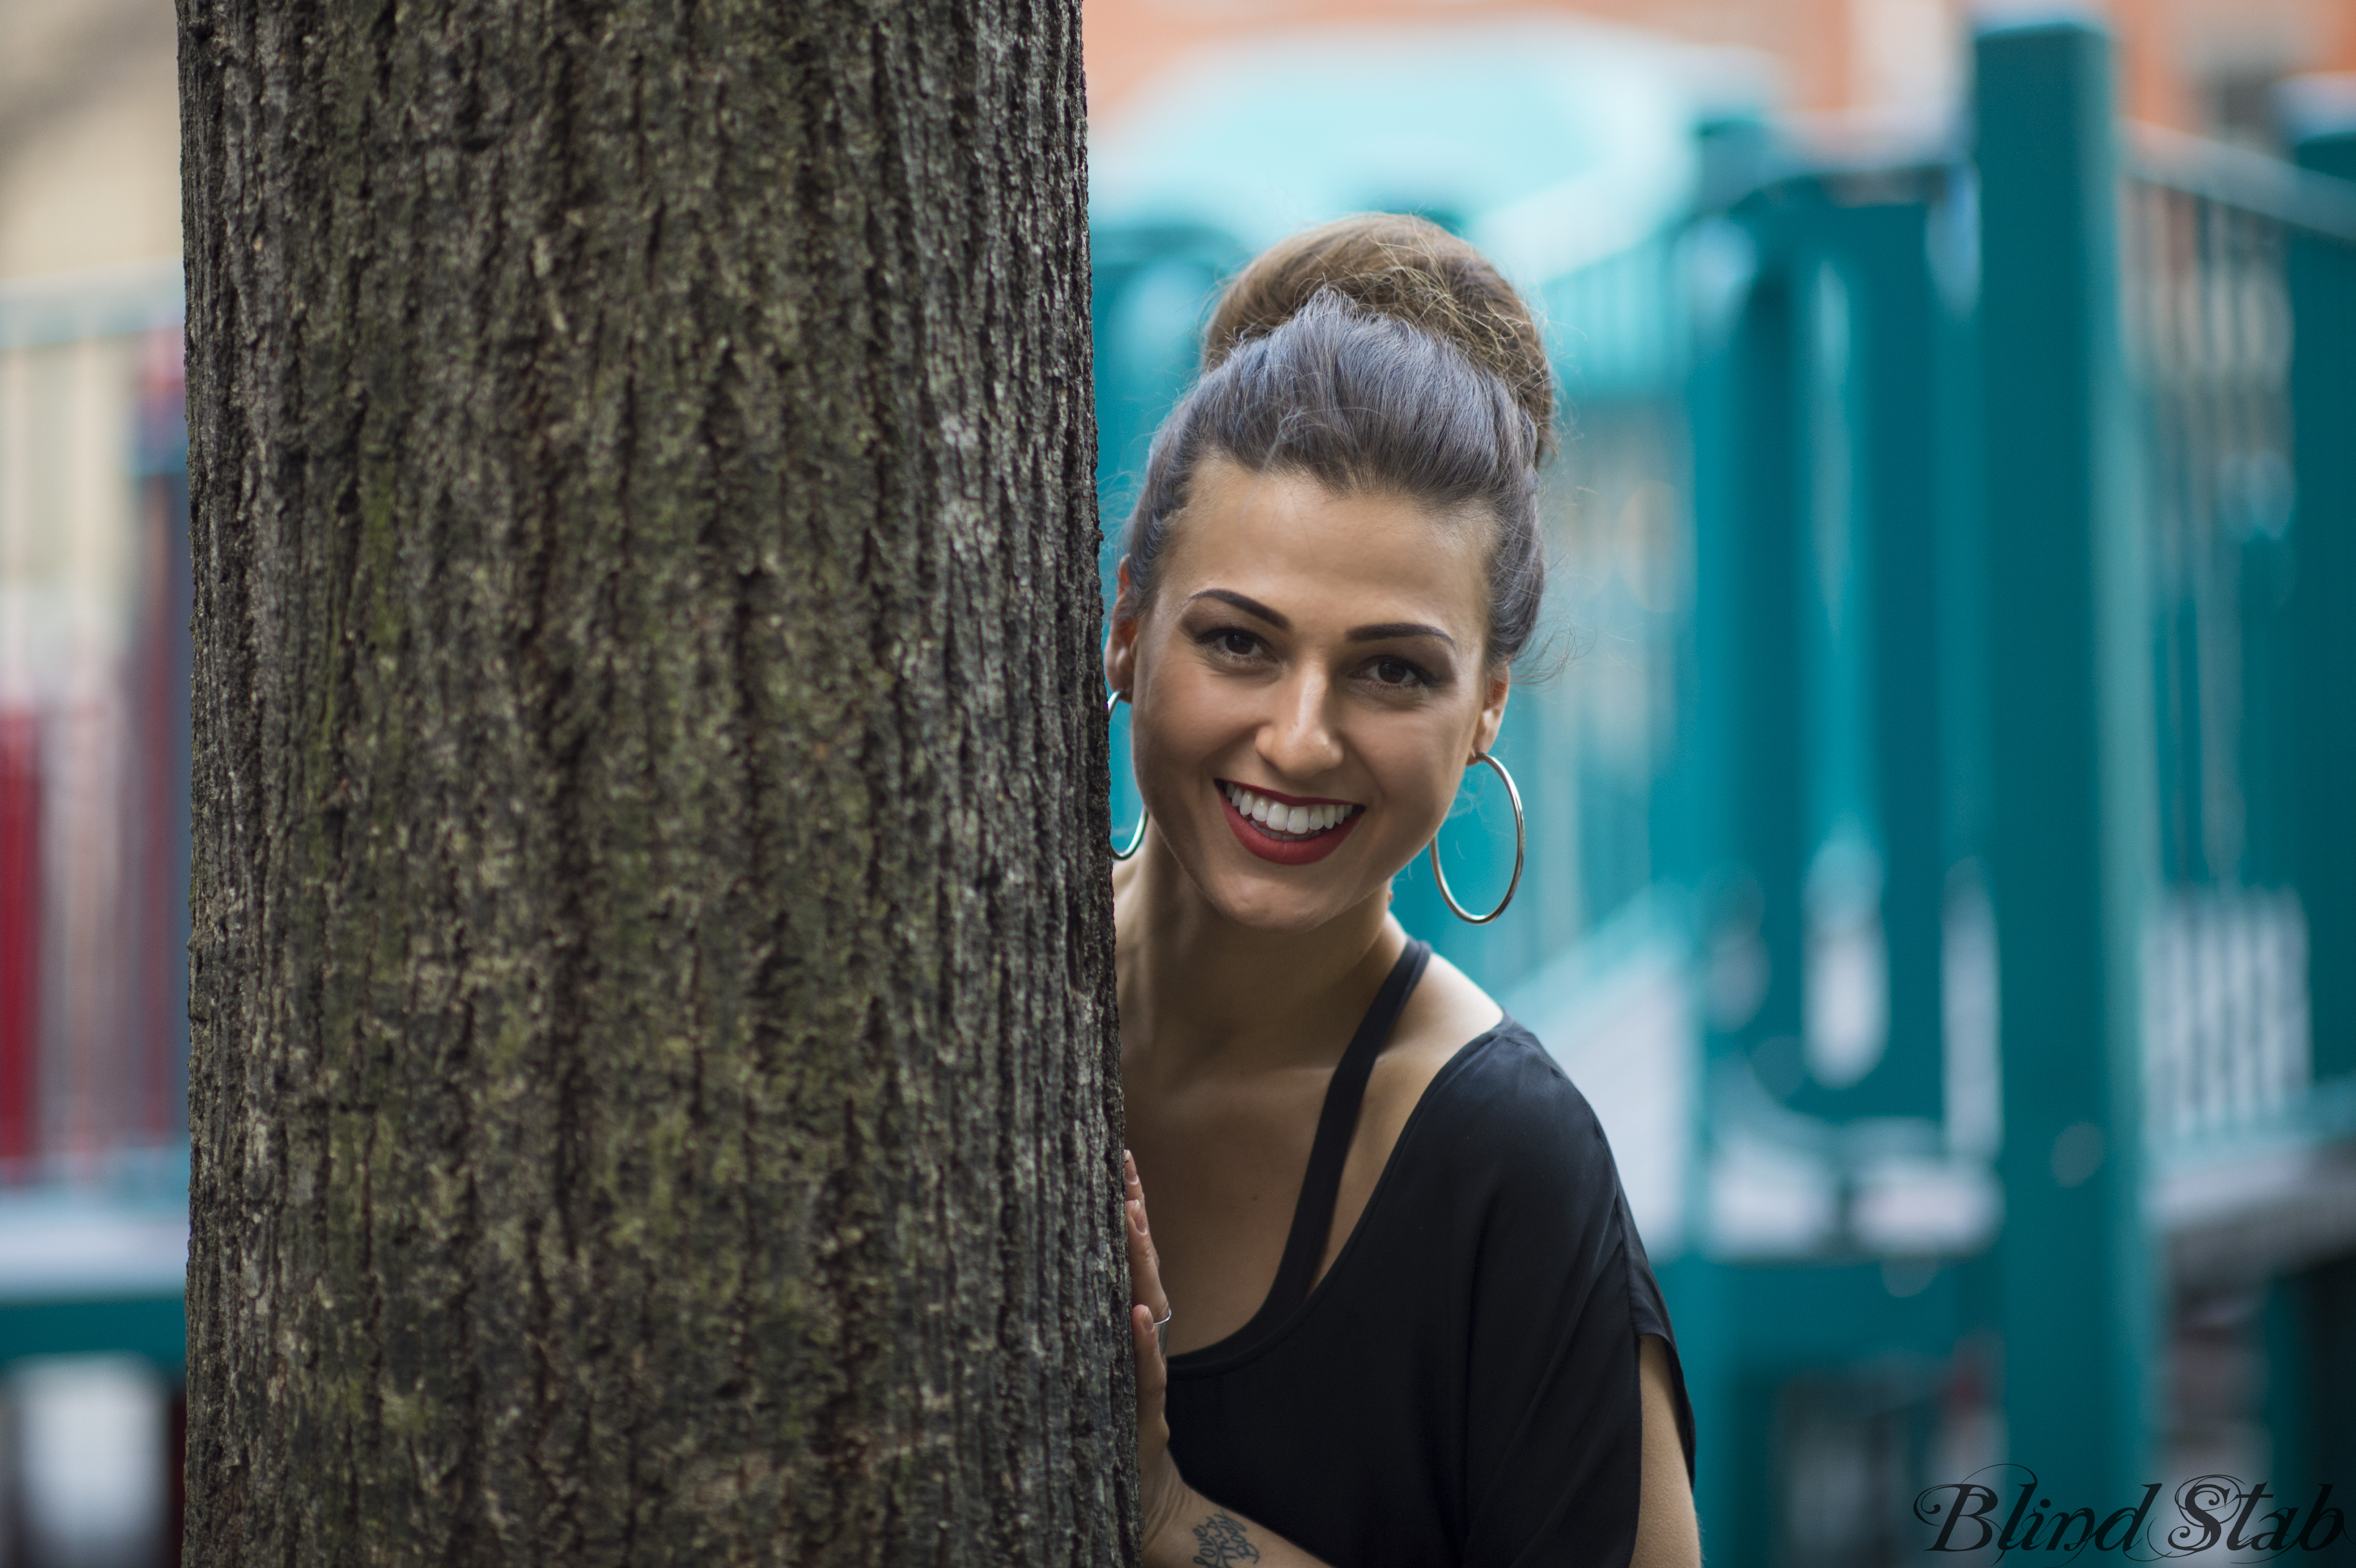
column 1320, row 1184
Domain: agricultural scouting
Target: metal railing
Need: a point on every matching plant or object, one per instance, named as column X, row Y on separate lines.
column 2208, row 334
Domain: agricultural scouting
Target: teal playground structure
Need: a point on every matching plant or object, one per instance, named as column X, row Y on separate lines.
column 1942, row 824
column 1942, row 862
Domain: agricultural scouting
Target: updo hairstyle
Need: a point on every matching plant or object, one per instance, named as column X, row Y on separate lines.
column 1378, row 353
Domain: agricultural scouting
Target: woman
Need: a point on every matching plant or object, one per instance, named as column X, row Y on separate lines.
column 1408, row 1319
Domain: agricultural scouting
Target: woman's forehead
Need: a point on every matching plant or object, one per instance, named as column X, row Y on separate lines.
column 1324, row 550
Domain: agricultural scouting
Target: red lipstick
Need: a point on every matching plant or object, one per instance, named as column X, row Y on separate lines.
column 1286, row 851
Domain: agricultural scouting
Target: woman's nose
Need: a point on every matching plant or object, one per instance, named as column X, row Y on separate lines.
column 1298, row 739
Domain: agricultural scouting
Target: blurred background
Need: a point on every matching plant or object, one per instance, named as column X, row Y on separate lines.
column 94, row 785
column 1943, row 868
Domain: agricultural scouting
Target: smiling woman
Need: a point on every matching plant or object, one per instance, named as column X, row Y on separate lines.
column 1390, row 1308
column 1338, row 627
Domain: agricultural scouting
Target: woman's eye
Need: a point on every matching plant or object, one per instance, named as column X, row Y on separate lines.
column 1397, row 672
column 1235, row 643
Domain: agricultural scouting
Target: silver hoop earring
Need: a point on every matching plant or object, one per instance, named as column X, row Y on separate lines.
column 1137, row 838
column 1521, row 842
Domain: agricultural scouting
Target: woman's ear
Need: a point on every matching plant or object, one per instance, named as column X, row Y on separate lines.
column 1493, row 710
column 1120, row 635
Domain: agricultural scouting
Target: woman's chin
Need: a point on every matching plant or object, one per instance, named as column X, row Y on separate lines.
column 1281, row 905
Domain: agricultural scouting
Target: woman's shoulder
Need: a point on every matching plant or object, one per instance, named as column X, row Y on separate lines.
column 1504, row 1107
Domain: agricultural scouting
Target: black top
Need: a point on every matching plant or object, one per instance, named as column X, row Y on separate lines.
column 1460, row 1388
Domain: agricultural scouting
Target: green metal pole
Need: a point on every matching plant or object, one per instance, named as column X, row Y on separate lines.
column 1899, row 311
column 1746, row 764
column 1900, row 467
column 2072, row 833
column 2312, row 1348
column 1746, row 773
column 2323, row 609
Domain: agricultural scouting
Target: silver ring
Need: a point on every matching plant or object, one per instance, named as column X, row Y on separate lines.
column 1137, row 838
column 1161, row 1333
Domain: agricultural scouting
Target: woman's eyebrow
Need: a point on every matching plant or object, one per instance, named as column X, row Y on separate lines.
column 1382, row 631
column 1248, row 606
column 1389, row 629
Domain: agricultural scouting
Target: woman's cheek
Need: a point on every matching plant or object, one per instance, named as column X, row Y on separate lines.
column 1416, row 827
column 1168, row 763
column 1419, row 797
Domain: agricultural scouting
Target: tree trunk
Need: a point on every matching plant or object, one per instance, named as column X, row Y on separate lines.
column 653, row 1093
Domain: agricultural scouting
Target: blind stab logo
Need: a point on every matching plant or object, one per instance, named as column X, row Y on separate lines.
column 2209, row 1511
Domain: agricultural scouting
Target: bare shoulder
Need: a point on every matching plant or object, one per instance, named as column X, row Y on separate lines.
column 1446, row 1011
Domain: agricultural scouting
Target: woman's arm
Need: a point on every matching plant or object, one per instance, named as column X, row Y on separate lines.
column 1182, row 1528
column 1667, row 1535
column 1185, row 1529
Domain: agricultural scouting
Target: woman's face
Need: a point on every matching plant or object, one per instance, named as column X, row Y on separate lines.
column 1309, row 686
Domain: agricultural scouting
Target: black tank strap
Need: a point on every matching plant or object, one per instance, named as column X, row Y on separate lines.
column 1313, row 1217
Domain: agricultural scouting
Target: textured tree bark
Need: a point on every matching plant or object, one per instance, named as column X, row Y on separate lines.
column 653, row 1089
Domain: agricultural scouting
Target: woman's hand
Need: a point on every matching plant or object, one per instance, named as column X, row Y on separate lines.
column 1181, row 1526
column 1164, row 1495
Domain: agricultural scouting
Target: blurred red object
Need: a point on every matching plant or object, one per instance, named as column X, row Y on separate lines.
column 20, row 933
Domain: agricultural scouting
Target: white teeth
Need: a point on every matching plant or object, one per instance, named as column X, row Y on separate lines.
column 1278, row 818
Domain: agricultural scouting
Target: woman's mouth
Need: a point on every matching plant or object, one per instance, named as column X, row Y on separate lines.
column 1290, row 833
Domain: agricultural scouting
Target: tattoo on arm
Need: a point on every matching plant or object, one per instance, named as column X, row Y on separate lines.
column 1221, row 1542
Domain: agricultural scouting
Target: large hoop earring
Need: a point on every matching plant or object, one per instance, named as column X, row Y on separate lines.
column 1138, row 839
column 1521, row 842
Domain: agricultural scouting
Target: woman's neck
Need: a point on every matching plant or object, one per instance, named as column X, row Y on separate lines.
column 1200, row 994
